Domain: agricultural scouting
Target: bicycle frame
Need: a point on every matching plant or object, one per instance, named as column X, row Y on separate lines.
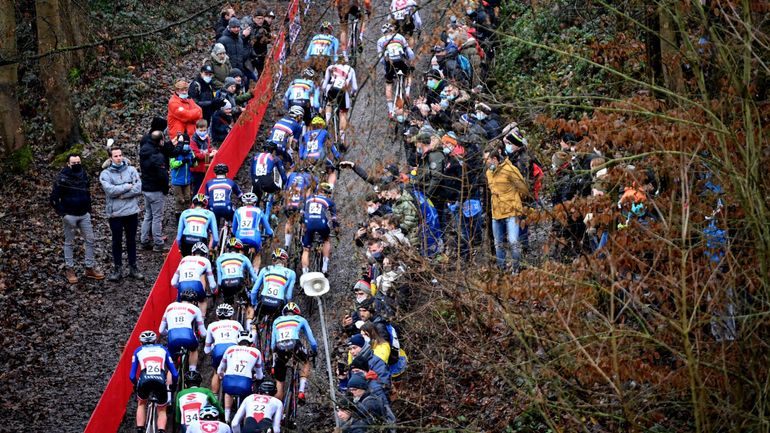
column 353, row 41
column 151, row 424
column 291, row 387
column 398, row 97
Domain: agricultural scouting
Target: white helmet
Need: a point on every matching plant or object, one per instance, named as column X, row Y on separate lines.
column 225, row 310
column 245, row 337
column 388, row 27
column 148, row 337
column 296, row 110
column 249, row 198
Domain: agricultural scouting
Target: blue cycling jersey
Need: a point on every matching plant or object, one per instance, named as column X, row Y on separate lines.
column 283, row 130
column 220, row 192
column 313, row 145
column 234, row 265
column 315, row 212
column 247, row 224
column 266, row 164
column 302, row 90
column 323, row 44
column 197, row 222
column 286, row 328
column 274, row 281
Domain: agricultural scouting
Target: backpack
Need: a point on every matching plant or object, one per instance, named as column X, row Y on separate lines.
column 395, row 345
column 465, row 66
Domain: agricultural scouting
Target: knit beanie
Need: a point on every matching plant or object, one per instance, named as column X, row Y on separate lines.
column 218, row 48
column 357, row 340
column 234, row 22
column 357, row 381
column 360, row 363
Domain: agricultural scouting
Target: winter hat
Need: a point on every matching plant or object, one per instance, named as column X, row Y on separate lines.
column 158, row 124
column 218, row 48
column 207, row 68
column 423, row 138
column 357, row 340
column 449, row 138
column 227, row 105
column 234, row 22
column 229, row 81
column 235, row 72
column 433, row 74
column 559, row 158
column 357, row 381
column 363, row 286
column 360, row 363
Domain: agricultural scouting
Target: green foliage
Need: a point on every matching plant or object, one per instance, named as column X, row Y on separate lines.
column 92, row 158
column 74, row 75
column 19, row 161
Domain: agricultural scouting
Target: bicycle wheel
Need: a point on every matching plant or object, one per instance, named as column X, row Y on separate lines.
column 289, row 398
column 353, row 43
column 151, row 424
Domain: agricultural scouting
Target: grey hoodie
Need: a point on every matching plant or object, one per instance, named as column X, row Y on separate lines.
column 122, row 187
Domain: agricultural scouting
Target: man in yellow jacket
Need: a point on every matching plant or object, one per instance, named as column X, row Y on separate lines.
column 506, row 186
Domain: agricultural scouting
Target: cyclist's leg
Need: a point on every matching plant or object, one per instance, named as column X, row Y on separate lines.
column 141, row 413
column 304, row 375
column 307, row 238
column 342, row 11
column 390, row 74
column 327, row 250
column 279, row 372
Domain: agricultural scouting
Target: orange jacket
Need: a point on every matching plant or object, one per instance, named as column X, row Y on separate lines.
column 182, row 115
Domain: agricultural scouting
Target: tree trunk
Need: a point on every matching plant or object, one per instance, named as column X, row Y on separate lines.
column 670, row 56
column 652, row 36
column 54, row 74
column 11, row 134
column 73, row 25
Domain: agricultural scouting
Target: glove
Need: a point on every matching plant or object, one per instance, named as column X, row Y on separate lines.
column 347, row 164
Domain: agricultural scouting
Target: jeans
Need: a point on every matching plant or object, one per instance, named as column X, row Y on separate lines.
column 71, row 224
column 500, row 228
column 153, row 217
column 118, row 225
column 182, row 197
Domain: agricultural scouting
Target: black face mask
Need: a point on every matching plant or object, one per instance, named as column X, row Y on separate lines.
column 76, row 168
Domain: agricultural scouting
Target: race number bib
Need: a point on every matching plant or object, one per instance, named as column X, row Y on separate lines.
column 278, row 136
column 260, row 169
column 395, row 50
column 195, row 228
column 231, row 270
column 314, row 209
column 188, row 275
column 318, row 50
column 339, row 82
column 284, row 335
column 273, row 289
column 400, row 14
column 219, row 195
column 298, row 93
column 152, row 367
column 312, row 146
column 247, row 222
column 191, row 413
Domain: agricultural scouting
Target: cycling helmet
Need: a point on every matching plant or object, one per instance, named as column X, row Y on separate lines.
column 148, row 337
column 267, row 388
column 318, row 121
column 234, row 244
column 249, row 198
column 325, row 187
column 292, row 308
column 343, row 58
column 245, row 337
column 200, row 200
column 225, row 310
column 208, row 412
column 280, row 254
column 326, row 25
column 192, row 378
column 221, row 169
column 308, row 73
column 296, row 111
column 189, row 296
column 387, row 28
column 201, row 248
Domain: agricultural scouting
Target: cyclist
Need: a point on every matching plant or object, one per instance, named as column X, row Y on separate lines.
column 220, row 191
column 194, row 398
column 313, row 148
column 240, row 365
column 346, row 8
column 396, row 55
column 156, row 372
column 178, row 321
column 195, row 225
column 298, row 185
column 246, row 226
column 406, row 17
column 232, row 267
column 260, row 411
column 220, row 335
column 274, row 286
column 287, row 330
column 340, row 85
column 287, row 131
column 208, row 422
column 315, row 221
column 323, row 44
column 192, row 273
column 267, row 173
column 303, row 92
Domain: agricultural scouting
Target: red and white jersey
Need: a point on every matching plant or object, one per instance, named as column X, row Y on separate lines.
column 191, row 268
column 222, row 331
column 243, row 361
column 151, row 359
column 340, row 77
column 208, row 427
column 399, row 9
column 182, row 315
column 190, row 405
column 260, row 407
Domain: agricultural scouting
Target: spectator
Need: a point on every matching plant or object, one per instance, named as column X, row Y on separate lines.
column 224, row 18
column 506, row 186
column 221, row 123
column 71, row 198
column 232, row 40
column 183, row 112
column 242, row 96
column 369, row 407
column 365, row 351
column 261, row 39
column 153, row 160
column 204, row 153
column 405, row 209
column 227, row 93
column 352, row 421
column 219, row 62
column 122, row 187
column 488, row 120
column 430, row 172
column 434, row 85
column 202, row 93
column 181, row 178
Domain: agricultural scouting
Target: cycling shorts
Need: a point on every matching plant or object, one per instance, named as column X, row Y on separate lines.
column 218, row 352
column 152, row 384
column 230, row 287
column 252, row 426
column 391, row 67
column 269, row 304
column 237, row 385
column 340, row 96
column 307, row 237
column 223, row 213
column 305, row 104
column 405, row 27
column 284, row 350
column 250, row 242
column 265, row 185
column 182, row 337
column 195, row 286
column 187, row 243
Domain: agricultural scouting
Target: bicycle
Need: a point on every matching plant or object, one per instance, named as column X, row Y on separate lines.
column 353, row 42
column 151, row 424
column 183, row 359
column 399, row 98
column 291, row 390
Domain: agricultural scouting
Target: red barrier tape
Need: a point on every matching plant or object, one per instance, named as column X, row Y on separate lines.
column 109, row 412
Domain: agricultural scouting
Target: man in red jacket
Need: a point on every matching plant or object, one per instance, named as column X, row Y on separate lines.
column 183, row 112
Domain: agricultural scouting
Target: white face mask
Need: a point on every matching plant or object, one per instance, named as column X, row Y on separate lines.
column 361, row 298
column 366, row 338
column 371, row 209
column 206, row 79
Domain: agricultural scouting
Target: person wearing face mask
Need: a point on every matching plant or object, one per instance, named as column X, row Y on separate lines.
column 202, row 93
column 488, row 120
column 183, row 112
column 204, row 152
column 219, row 62
column 71, row 199
column 153, row 161
column 434, row 85
column 430, row 172
column 405, row 210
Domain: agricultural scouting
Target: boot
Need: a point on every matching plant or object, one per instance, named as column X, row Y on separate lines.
column 133, row 272
column 71, row 277
column 115, row 275
column 147, row 245
column 94, row 274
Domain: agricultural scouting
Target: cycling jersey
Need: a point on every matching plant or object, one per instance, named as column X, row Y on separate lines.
column 188, row 275
column 284, row 129
column 323, row 44
column 301, row 90
column 219, row 336
column 405, row 10
column 239, row 365
column 151, row 360
column 246, row 225
column 208, row 427
column 274, row 284
column 267, row 170
column 313, row 146
column 190, row 401
column 260, row 408
column 234, row 265
column 393, row 48
column 289, row 328
column 316, row 207
column 195, row 224
column 220, row 191
column 179, row 320
column 340, row 84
